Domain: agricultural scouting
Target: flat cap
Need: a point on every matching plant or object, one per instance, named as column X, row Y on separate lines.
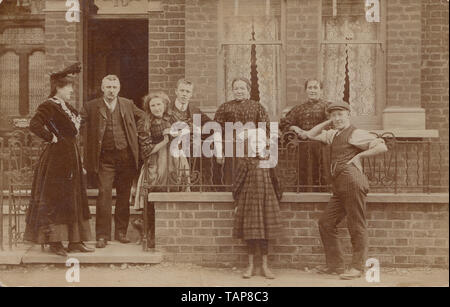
column 338, row 106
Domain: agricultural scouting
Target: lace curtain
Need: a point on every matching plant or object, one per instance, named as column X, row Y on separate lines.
column 238, row 57
column 360, row 60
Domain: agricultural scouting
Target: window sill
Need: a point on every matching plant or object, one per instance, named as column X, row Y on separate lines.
column 301, row 197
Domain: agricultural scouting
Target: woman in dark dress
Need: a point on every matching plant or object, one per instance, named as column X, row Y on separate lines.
column 256, row 190
column 58, row 208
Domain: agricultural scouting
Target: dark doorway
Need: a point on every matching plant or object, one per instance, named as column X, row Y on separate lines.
column 118, row 47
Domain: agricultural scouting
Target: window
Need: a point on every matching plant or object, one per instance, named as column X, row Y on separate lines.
column 352, row 59
column 22, row 62
column 251, row 36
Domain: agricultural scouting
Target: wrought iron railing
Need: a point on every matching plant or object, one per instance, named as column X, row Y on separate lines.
column 19, row 154
column 410, row 166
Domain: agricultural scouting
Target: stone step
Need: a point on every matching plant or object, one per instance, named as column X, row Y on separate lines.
column 113, row 253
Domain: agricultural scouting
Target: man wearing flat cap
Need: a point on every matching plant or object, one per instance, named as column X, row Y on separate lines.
column 350, row 187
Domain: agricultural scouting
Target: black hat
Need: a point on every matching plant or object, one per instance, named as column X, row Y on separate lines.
column 63, row 77
column 338, row 106
column 69, row 71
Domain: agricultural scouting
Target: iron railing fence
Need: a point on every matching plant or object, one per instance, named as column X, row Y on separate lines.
column 410, row 166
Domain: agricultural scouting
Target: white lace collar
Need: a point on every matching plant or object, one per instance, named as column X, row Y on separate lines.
column 75, row 119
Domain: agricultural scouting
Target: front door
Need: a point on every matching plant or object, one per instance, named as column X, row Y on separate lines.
column 118, row 47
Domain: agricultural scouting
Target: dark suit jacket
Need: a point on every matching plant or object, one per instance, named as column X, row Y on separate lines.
column 94, row 124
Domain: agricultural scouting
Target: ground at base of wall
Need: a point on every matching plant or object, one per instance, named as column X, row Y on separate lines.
column 185, row 274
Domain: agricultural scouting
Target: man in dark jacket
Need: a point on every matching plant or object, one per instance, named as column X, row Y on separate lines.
column 112, row 155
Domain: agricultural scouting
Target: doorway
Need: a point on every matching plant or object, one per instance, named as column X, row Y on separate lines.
column 118, row 47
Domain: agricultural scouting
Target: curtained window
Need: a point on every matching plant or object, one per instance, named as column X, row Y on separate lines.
column 251, row 46
column 352, row 59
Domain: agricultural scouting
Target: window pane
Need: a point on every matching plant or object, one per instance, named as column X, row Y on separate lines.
column 37, row 80
column 349, row 28
column 266, row 73
column 9, row 83
column 344, row 7
column 264, row 17
column 349, row 70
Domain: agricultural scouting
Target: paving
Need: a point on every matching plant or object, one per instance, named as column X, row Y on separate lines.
column 183, row 275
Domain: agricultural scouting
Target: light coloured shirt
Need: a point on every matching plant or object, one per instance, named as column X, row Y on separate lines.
column 180, row 106
column 111, row 105
column 362, row 139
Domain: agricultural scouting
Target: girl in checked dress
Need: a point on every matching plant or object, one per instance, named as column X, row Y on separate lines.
column 256, row 193
column 153, row 142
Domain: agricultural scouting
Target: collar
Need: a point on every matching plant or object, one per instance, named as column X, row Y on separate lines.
column 111, row 105
column 59, row 99
column 181, row 107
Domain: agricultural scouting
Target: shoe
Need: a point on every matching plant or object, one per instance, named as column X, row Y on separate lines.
column 58, row 249
column 267, row 272
column 248, row 272
column 79, row 247
column 324, row 269
column 122, row 238
column 101, row 243
column 351, row 274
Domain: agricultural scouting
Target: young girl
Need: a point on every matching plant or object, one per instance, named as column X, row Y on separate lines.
column 153, row 135
column 256, row 196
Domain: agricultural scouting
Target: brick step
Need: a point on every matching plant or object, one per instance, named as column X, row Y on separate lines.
column 113, row 253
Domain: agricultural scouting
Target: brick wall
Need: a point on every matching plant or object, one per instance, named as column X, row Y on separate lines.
column 400, row 234
column 201, row 50
column 61, row 45
column 403, row 40
column 167, row 46
column 302, row 50
column 434, row 81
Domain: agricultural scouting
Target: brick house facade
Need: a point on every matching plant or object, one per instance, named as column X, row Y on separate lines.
column 190, row 38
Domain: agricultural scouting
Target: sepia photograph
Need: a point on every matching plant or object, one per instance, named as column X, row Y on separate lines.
column 224, row 150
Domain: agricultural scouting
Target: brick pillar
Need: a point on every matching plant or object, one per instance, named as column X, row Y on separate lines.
column 61, row 41
column 434, row 85
column 403, row 105
column 166, row 45
column 302, row 50
column 201, row 52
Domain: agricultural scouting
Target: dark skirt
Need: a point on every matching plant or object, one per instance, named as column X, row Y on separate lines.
column 258, row 210
column 58, row 209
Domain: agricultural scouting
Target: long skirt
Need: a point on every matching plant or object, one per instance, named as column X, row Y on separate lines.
column 58, row 208
column 258, row 210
